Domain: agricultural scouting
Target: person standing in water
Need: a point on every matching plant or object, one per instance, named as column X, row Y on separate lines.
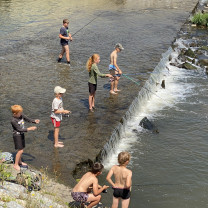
column 115, row 71
column 94, row 72
column 65, row 36
column 122, row 185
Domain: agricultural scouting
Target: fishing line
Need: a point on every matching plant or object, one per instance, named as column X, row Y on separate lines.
column 88, row 23
column 163, row 184
column 145, row 88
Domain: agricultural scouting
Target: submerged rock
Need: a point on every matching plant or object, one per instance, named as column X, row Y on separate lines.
column 147, row 124
column 190, row 53
column 187, row 66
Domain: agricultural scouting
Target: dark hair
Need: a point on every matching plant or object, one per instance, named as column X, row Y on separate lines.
column 97, row 167
column 65, row 21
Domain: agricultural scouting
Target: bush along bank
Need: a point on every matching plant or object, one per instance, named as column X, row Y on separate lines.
column 191, row 45
column 200, row 14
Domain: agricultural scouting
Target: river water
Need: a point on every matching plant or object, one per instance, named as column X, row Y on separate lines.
column 169, row 168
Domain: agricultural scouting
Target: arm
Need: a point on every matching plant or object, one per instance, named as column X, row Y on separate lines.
column 108, row 178
column 96, row 189
column 17, row 127
column 61, row 111
column 62, row 37
column 28, row 119
column 100, row 74
column 115, row 64
column 128, row 180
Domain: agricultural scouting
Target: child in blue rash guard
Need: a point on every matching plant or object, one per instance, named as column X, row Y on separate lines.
column 122, row 184
column 94, row 72
column 65, row 36
column 115, row 71
column 17, row 122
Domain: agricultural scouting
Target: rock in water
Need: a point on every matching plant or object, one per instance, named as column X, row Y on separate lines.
column 163, row 84
column 147, row 124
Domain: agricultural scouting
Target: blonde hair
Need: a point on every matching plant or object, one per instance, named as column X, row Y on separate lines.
column 16, row 109
column 123, row 157
column 91, row 60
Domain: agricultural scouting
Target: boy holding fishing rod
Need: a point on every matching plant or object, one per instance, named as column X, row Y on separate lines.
column 65, row 36
column 115, row 71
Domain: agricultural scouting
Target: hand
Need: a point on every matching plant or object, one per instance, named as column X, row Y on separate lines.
column 66, row 111
column 120, row 72
column 105, row 187
column 32, row 128
column 67, row 38
column 37, row 121
column 109, row 75
column 70, row 38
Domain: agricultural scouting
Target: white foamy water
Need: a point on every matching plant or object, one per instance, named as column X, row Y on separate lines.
column 156, row 100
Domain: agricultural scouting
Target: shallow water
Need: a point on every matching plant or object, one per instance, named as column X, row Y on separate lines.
column 29, row 47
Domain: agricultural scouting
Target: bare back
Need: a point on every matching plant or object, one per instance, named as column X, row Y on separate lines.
column 113, row 58
column 85, row 182
column 122, row 176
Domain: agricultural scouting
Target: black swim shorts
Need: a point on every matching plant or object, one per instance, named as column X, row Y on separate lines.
column 92, row 88
column 19, row 141
column 121, row 193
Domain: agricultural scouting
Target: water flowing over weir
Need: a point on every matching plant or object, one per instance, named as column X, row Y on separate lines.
column 150, row 88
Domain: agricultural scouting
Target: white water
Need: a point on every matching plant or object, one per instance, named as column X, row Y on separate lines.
column 151, row 99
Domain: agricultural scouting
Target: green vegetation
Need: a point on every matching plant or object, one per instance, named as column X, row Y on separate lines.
column 4, row 174
column 200, row 19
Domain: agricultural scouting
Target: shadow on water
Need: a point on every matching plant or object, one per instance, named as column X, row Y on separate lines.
column 51, row 137
column 85, row 103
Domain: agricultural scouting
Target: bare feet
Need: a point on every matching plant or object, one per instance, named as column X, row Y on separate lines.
column 60, row 142
column 117, row 90
column 59, row 145
column 91, row 110
column 16, row 167
column 112, row 92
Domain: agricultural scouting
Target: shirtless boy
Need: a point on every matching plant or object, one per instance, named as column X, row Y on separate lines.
column 122, row 185
column 114, row 69
column 80, row 192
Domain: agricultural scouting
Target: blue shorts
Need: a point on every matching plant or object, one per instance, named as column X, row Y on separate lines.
column 112, row 67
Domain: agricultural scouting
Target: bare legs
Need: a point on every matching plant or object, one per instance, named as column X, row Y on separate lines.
column 114, row 83
column 91, row 101
column 124, row 202
column 56, row 135
column 18, row 160
column 93, row 200
column 65, row 49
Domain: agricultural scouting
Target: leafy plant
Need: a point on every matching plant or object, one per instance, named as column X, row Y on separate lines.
column 4, row 174
column 200, row 19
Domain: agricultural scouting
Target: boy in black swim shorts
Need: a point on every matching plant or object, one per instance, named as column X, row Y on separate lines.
column 122, row 185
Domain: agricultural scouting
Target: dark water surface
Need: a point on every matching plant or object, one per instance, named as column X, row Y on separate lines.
column 29, row 47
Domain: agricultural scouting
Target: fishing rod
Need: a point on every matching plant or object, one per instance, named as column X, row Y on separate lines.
column 88, row 23
column 162, row 184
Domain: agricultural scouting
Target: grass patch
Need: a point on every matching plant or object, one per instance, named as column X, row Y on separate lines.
column 200, row 19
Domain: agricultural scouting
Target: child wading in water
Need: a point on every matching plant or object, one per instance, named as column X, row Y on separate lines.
column 57, row 111
column 18, row 122
column 80, row 192
column 65, row 36
column 114, row 69
column 123, row 181
column 94, row 72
